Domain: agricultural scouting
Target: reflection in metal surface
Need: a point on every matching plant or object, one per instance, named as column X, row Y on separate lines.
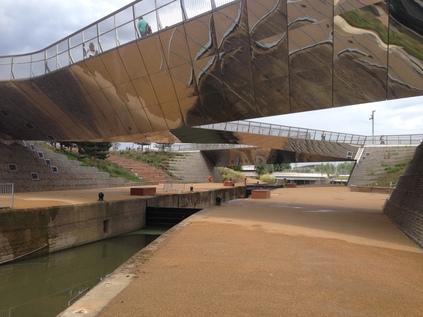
column 360, row 66
column 210, row 63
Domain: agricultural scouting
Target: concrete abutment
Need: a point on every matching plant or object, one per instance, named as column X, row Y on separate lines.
column 37, row 231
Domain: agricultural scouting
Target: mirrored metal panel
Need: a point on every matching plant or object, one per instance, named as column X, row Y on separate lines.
column 115, row 67
column 267, row 21
column 153, row 54
column 310, row 54
column 99, row 72
column 242, row 59
column 175, row 46
column 130, row 56
column 183, row 81
column 405, row 49
column 201, row 42
column 163, row 87
column 234, row 60
column 360, row 60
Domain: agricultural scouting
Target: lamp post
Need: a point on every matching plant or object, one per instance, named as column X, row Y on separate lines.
column 372, row 117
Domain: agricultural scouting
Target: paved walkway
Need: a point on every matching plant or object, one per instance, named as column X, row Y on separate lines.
column 83, row 196
column 307, row 251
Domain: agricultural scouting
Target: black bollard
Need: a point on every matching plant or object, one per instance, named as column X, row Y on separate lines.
column 100, row 196
column 218, row 200
column 191, row 189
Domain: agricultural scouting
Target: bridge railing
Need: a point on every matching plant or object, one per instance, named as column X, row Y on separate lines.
column 106, row 34
column 181, row 147
column 253, row 127
column 406, row 139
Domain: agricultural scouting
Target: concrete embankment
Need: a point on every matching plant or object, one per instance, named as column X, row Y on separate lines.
column 35, row 231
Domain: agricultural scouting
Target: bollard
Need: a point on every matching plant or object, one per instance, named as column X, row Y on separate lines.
column 191, row 189
column 100, row 196
column 218, row 200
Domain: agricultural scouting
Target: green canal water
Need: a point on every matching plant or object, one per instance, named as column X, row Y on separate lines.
column 46, row 285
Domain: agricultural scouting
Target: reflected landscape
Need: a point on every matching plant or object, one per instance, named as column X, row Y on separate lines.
column 225, row 61
column 45, row 286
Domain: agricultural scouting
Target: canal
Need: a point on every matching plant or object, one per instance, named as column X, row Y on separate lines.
column 45, row 286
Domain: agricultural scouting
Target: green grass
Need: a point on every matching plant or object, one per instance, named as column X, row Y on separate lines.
column 365, row 19
column 391, row 175
column 156, row 159
column 396, row 168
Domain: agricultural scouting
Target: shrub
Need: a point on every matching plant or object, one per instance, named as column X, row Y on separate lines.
column 267, row 178
column 229, row 174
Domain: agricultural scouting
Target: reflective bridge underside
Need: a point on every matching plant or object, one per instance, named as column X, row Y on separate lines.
column 245, row 59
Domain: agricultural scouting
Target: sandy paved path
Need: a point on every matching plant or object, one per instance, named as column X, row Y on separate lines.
column 317, row 251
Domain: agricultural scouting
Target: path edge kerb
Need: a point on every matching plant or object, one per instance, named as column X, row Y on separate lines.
column 97, row 298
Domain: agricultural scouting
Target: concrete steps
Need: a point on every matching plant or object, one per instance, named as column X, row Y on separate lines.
column 36, row 167
column 375, row 160
column 142, row 170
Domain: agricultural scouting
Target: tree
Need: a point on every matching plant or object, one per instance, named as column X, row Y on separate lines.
column 115, row 146
column 327, row 168
column 236, row 168
column 66, row 144
column 282, row 167
column 345, row 168
column 163, row 146
column 97, row 150
column 264, row 169
column 142, row 145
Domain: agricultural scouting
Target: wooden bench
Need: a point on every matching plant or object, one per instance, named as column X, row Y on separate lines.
column 291, row 185
column 143, row 191
column 228, row 183
column 260, row 194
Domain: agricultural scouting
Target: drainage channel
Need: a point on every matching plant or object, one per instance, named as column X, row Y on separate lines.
column 44, row 286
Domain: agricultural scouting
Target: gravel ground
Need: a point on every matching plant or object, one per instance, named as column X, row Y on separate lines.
column 306, row 251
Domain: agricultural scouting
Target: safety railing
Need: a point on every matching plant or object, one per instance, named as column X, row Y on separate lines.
column 261, row 128
column 286, row 131
column 106, row 34
column 406, row 139
column 185, row 147
column 7, row 193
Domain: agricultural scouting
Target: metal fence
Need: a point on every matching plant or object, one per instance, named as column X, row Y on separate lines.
column 106, row 34
column 186, row 147
column 261, row 128
column 7, row 195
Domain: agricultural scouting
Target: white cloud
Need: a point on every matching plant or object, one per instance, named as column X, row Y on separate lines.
column 401, row 116
column 29, row 25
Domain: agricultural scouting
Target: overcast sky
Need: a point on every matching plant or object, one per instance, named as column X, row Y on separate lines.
column 31, row 25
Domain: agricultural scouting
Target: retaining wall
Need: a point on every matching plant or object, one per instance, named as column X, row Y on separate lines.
column 405, row 204
column 30, row 232
column 370, row 189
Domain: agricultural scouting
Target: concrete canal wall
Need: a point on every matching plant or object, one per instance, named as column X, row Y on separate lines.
column 37, row 231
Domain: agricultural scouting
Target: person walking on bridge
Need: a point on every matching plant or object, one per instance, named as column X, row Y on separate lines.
column 142, row 26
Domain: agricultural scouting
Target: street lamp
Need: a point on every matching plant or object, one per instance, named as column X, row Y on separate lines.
column 372, row 117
